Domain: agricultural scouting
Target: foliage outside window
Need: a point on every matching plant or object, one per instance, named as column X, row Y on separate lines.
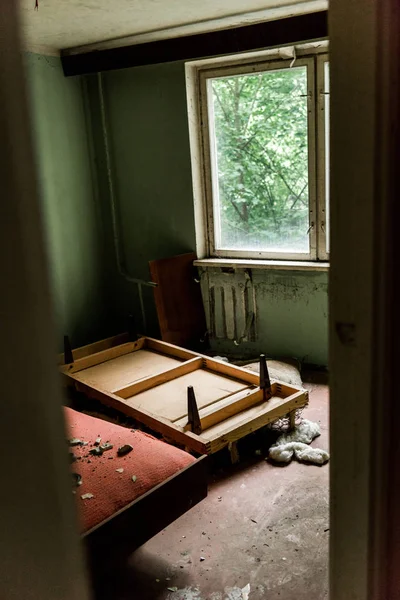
column 263, row 136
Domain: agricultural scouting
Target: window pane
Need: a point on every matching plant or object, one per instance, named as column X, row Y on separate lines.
column 259, row 151
column 326, row 94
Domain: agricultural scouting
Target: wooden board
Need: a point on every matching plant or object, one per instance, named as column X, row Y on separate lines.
column 83, row 351
column 148, row 380
column 170, row 399
column 121, row 371
column 178, row 300
column 250, row 420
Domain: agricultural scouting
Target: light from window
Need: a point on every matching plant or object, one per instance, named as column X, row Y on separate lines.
column 259, row 126
column 259, row 134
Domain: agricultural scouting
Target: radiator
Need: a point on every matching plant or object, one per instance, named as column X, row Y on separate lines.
column 230, row 304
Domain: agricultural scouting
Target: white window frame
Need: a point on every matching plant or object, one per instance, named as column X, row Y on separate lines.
column 198, row 73
column 323, row 159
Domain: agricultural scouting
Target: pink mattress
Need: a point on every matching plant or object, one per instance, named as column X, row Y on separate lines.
column 151, row 461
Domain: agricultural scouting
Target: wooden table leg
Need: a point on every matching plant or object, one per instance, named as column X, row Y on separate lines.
column 292, row 420
column 233, row 449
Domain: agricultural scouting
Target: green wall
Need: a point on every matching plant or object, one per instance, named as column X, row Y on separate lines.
column 71, row 215
column 151, row 170
column 290, row 314
column 150, row 155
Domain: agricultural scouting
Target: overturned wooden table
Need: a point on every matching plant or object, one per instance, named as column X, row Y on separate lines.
column 191, row 399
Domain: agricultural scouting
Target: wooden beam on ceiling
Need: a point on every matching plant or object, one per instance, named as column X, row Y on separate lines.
column 280, row 32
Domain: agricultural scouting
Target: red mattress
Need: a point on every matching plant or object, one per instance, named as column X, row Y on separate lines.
column 151, row 461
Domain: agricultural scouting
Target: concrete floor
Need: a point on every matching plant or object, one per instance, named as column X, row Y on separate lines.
column 261, row 524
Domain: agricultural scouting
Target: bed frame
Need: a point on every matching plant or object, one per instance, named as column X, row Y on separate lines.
column 143, row 518
column 193, row 400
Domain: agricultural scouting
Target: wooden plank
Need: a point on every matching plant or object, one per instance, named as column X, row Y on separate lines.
column 101, row 357
column 182, row 419
column 170, row 349
column 111, row 342
column 280, row 388
column 170, row 399
column 252, row 419
column 229, row 370
column 155, row 380
column 125, row 370
column 253, row 398
column 219, row 366
column 279, row 32
column 228, row 407
column 178, row 300
column 155, row 422
column 220, row 404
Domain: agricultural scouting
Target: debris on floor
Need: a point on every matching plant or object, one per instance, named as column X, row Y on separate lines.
column 97, row 451
column 246, row 592
column 87, row 496
column 187, row 593
column 106, row 446
column 305, row 433
column 120, row 470
column 194, row 593
column 77, row 479
column 75, row 442
column 134, row 478
column 291, row 507
column 295, row 444
column 125, row 449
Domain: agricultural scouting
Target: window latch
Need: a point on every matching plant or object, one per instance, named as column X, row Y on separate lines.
column 311, row 227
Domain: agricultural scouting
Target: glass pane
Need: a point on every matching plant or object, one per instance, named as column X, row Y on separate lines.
column 326, row 93
column 259, row 148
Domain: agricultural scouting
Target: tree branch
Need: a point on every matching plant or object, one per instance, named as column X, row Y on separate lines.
column 299, row 196
column 227, row 119
column 252, row 105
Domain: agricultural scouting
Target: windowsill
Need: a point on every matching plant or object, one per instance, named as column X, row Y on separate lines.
column 277, row 265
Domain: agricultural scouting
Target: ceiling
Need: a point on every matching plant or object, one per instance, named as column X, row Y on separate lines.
column 62, row 24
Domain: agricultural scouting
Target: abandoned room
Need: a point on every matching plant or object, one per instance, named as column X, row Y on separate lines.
column 181, row 156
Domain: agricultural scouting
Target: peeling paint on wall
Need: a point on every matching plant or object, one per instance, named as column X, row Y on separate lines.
column 231, row 304
column 276, row 312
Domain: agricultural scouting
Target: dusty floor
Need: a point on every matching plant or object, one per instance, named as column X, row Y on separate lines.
column 260, row 524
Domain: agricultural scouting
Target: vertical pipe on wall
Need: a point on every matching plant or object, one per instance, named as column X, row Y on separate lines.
column 115, row 221
column 119, row 253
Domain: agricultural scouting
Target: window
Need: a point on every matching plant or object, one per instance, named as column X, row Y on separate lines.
column 259, row 135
